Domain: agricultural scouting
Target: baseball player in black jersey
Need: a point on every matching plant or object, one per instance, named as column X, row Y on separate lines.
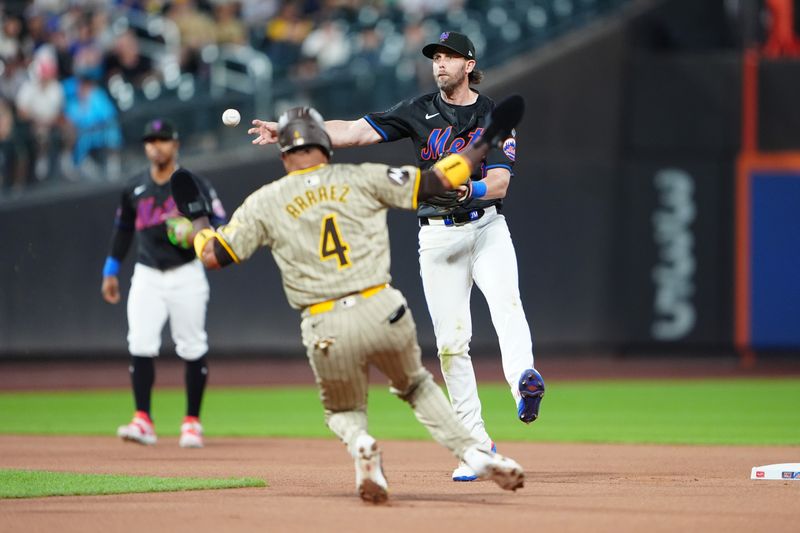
column 463, row 237
column 168, row 283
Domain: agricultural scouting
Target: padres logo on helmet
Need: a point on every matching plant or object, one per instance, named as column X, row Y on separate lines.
column 303, row 126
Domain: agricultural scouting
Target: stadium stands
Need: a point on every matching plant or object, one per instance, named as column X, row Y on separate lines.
column 188, row 60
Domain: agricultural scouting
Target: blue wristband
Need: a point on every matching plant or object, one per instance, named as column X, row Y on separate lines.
column 111, row 268
column 478, row 189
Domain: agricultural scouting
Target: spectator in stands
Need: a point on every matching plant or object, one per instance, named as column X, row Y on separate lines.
column 255, row 14
column 40, row 103
column 85, row 50
column 368, row 47
column 60, row 44
column 285, row 34
column 94, row 131
column 85, row 36
column 104, row 36
column 10, row 163
column 328, row 43
column 69, row 22
column 197, row 30
column 12, row 76
column 230, row 29
column 367, row 61
column 14, row 151
column 10, row 37
column 126, row 61
column 418, row 67
column 139, row 5
column 36, row 29
column 423, row 7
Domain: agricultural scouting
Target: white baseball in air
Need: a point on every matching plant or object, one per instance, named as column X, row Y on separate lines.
column 231, row 117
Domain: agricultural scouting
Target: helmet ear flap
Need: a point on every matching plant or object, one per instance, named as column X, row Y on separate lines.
column 303, row 126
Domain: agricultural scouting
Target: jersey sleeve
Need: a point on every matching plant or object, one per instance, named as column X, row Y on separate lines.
column 247, row 230
column 503, row 157
column 393, row 186
column 124, row 226
column 218, row 215
column 392, row 124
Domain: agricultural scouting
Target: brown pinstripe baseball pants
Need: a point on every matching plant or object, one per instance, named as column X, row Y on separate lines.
column 358, row 332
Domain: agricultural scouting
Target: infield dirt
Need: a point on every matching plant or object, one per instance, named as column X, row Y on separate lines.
column 569, row 487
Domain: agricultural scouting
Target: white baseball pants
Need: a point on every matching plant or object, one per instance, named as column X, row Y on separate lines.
column 178, row 294
column 451, row 258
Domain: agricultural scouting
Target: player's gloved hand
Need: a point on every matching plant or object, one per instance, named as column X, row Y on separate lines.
column 180, row 232
column 464, row 192
column 452, row 198
column 191, row 202
column 504, row 118
column 447, row 199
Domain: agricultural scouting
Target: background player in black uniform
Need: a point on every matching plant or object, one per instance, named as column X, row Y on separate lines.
column 463, row 237
column 168, row 283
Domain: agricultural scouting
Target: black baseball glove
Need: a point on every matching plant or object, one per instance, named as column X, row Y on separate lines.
column 191, row 201
column 504, row 118
column 447, row 199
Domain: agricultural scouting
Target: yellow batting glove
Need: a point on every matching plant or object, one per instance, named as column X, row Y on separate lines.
column 455, row 168
column 200, row 240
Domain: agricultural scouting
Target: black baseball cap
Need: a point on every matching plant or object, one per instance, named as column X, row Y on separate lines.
column 457, row 42
column 160, row 129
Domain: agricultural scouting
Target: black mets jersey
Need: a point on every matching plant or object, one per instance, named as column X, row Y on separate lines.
column 144, row 209
column 437, row 128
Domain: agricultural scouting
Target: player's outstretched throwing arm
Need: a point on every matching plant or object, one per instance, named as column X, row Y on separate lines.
column 213, row 250
column 450, row 173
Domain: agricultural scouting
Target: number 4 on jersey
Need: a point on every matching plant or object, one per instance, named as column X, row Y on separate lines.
column 331, row 243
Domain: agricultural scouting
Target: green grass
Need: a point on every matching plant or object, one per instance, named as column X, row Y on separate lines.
column 733, row 411
column 37, row 484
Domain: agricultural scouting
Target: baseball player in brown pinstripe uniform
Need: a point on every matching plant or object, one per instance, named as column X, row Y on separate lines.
column 326, row 227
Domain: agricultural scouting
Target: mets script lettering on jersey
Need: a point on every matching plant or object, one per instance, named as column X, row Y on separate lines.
column 148, row 214
column 328, row 193
column 439, row 142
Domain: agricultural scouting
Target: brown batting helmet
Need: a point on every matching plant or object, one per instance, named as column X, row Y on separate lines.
column 303, row 126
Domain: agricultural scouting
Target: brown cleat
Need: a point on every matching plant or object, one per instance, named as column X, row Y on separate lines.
column 372, row 492
column 370, row 481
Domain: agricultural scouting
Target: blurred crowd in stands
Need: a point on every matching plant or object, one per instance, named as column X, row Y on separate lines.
column 62, row 64
column 78, row 78
column 55, row 117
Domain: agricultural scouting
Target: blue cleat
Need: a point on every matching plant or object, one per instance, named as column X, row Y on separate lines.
column 463, row 472
column 531, row 388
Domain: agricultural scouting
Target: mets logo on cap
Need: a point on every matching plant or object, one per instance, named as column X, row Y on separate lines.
column 510, row 148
